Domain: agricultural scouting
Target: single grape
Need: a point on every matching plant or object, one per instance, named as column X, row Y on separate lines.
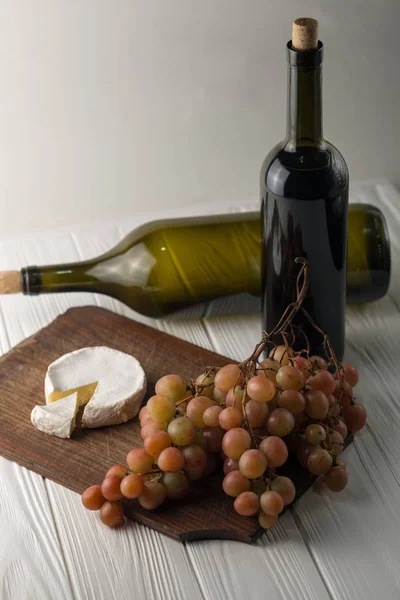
column 194, row 457
column 260, row 389
column 235, row 442
column 172, row 387
column 176, row 485
column 317, row 404
column 227, row 377
column 322, row 380
column 196, row 409
column 315, row 433
column 205, row 385
column 280, row 422
column 285, row 488
column 143, row 415
column 257, row 412
column 355, row 417
column 230, row 464
column 92, row 498
column 319, row 461
column 153, row 495
column 247, row 504
column 282, row 355
column 230, row 417
column 343, row 393
column 112, row 514
column 195, row 461
column 132, row 486
column 156, row 442
column 200, row 440
column 337, row 443
column 303, row 452
column 171, row 460
column 341, row 427
column 160, row 408
column 271, row 503
column 290, row 378
column 219, row 397
column 274, row 450
column 269, row 367
column 267, row 521
column 139, row 461
column 150, row 426
column 211, row 416
column 181, row 431
column 350, row 374
column 120, row 470
column 252, row 464
column 336, row 479
column 235, row 397
column 302, row 364
column 318, row 363
column 214, row 437
column 235, row 483
column 293, row 401
column 111, row 488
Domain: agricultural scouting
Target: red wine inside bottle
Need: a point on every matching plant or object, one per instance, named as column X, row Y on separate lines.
column 304, row 198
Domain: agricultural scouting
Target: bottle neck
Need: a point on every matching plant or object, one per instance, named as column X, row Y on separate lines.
column 57, row 278
column 304, row 117
column 304, row 123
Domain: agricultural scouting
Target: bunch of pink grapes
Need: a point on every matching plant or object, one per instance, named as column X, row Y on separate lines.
column 248, row 419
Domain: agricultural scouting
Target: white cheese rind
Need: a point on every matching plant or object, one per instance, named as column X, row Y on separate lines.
column 57, row 418
column 120, row 391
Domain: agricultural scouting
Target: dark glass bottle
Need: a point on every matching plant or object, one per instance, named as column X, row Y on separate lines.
column 304, row 196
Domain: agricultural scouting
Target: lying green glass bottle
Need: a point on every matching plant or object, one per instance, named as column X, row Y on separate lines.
column 165, row 266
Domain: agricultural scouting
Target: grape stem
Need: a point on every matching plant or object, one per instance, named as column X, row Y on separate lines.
column 286, row 322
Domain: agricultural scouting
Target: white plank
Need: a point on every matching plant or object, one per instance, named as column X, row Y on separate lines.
column 31, row 560
column 131, row 562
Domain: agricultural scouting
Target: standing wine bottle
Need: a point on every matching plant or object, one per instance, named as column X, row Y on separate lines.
column 304, row 196
column 165, row 266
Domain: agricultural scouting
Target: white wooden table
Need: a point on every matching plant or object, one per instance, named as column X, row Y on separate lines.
column 328, row 546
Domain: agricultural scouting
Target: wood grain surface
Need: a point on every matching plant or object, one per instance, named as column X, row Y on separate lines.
column 328, row 547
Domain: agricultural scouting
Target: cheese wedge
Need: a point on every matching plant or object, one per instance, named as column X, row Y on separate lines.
column 111, row 383
column 85, row 392
column 58, row 418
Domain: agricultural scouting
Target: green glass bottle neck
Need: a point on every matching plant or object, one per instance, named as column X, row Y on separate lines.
column 58, row 278
column 304, row 120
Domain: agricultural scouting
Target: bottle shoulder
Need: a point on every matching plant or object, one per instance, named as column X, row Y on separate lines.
column 304, row 172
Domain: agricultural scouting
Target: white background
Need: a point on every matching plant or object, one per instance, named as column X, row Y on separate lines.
column 109, row 108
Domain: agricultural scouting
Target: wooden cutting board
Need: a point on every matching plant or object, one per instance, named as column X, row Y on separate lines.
column 83, row 460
